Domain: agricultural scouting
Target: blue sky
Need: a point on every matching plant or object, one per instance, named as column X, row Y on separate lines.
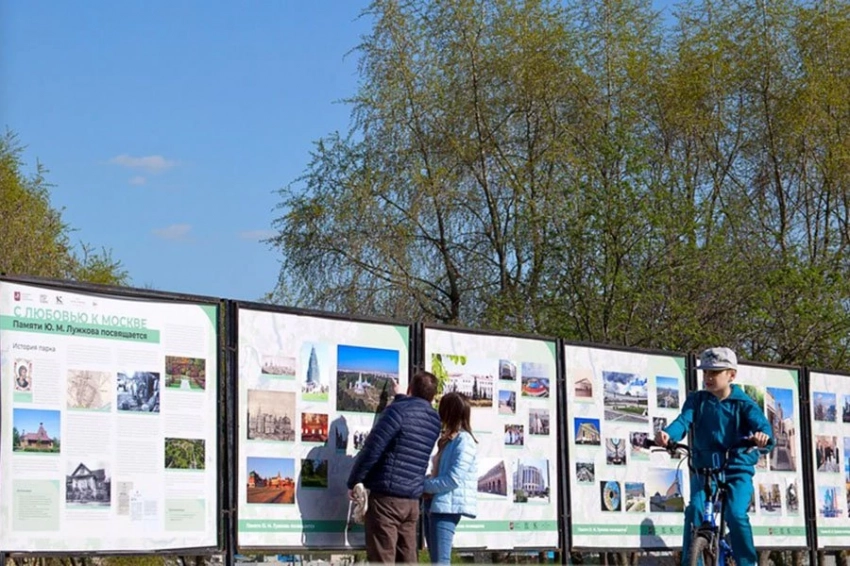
column 268, row 467
column 167, row 127
column 358, row 358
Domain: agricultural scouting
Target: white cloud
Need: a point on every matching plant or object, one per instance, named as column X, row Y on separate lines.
column 149, row 163
column 138, row 180
column 173, row 232
column 257, row 235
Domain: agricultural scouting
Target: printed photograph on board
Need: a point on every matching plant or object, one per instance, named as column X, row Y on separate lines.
column 610, row 497
column 473, row 377
column 583, row 384
column 36, row 430
column 89, row 390
column 270, row 415
column 514, row 435
column 507, row 370
column 494, row 480
column 358, row 438
column 829, row 498
column 827, row 454
column 756, row 394
column 185, row 374
column 792, row 500
column 666, row 392
column 770, row 499
column 664, row 487
column 271, row 481
column 138, row 391
column 615, row 451
column 507, row 402
column 538, row 422
column 365, row 378
column 23, row 375
column 535, row 379
column 314, row 427
column 315, row 381
column 88, row 484
column 636, row 440
column 780, row 414
column 314, row 473
column 626, row 397
column 585, row 472
column 531, row 480
column 635, row 497
column 824, row 406
column 185, row 454
column 280, row 366
column 845, row 411
column 587, row 431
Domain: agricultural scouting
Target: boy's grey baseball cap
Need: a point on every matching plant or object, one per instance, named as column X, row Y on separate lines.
column 717, row 359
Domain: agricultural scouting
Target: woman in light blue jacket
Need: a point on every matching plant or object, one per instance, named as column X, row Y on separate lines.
column 453, row 484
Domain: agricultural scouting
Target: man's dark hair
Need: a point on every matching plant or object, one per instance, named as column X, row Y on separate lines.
column 424, row 385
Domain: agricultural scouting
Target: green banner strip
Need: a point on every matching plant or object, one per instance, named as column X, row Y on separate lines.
column 626, row 530
column 468, row 525
column 79, row 329
column 780, row 531
column 294, row 526
column 834, row 531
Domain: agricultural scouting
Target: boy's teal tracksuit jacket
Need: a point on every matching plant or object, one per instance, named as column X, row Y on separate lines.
column 718, row 425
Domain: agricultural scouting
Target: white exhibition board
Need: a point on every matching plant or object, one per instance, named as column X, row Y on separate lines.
column 109, row 422
column 512, row 385
column 621, row 495
column 829, row 396
column 310, row 389
column 777, row 511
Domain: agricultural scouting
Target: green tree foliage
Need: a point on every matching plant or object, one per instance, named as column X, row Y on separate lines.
column 588, row 170
column 34, row 238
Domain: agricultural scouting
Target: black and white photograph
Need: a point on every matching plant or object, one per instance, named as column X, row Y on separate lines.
column 138, row 391
column 88, row 484
column 585, row 472
column 271, row 415
column 358, row 438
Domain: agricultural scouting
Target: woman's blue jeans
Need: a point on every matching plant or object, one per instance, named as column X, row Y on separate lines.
column 439, row 533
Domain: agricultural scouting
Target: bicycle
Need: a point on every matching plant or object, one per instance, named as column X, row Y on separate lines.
column 710, row 541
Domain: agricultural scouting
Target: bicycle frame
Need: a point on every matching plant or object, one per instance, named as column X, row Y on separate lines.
column 714, row 486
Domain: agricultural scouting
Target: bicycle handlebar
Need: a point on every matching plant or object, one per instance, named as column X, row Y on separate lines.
column 673, row 447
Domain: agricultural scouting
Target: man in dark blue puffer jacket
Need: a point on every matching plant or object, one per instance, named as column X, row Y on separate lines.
column 392, row 466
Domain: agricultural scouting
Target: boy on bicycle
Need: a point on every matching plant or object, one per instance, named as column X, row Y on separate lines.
column 721, row 415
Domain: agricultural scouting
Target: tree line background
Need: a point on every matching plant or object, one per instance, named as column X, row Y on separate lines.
column 592, row 170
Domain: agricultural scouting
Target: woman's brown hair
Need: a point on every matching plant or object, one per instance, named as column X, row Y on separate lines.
column 454, row 413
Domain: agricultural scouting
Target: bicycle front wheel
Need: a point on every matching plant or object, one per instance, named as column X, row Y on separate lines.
column 700, row 549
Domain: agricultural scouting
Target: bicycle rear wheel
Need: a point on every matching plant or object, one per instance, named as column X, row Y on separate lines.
column 700, row 549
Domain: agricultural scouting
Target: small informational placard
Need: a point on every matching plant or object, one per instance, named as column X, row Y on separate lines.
column 109, row 422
